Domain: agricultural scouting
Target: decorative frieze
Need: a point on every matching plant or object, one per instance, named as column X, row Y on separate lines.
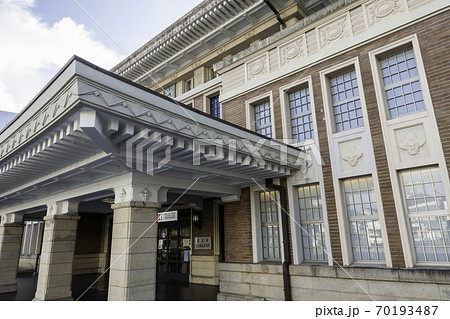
column 378, row 10
column 292, row 50
column 49, row 112
column 338, row 28
column 257, row 66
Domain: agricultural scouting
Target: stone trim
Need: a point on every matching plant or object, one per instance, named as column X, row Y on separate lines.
column 134, row 204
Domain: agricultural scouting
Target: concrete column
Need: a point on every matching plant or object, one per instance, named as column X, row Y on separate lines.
column 133, row 251
column 58, row 248
column 10, row 241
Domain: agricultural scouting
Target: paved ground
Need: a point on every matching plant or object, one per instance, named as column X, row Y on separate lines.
column 165, row 291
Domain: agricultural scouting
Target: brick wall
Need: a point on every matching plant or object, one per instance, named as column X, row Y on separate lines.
column 207, row 229
column 238, row 229
column 433, row 39
column 435, row 42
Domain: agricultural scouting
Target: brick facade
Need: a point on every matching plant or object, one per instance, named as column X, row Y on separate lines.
column 207, row 229
column 433, row 39
column 238, row 229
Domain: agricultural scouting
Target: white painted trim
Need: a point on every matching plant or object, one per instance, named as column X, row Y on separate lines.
column 376, row 32
column 256, row 225
column 297, row 244
column 285, row 111
column 334, row 139
column 427, row 119
column 250, row 114
column 206, row 100
column 201, row 89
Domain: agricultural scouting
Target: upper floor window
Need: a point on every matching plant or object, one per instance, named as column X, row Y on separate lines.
column 188, row 85
column 428, row 213
column 263, row 119
column 346, row 102
column 300, row 115
column 212, row 74
column 401, row 83
column 214, row 106
column 312, row 225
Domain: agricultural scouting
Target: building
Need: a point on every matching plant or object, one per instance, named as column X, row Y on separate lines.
column 5, row 118
column 294, row 150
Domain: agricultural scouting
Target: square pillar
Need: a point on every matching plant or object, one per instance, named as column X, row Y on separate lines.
column 10, row 244
column 133, row 251
column 56, row 264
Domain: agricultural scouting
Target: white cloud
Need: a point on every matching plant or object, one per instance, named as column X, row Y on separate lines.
column 33, row 51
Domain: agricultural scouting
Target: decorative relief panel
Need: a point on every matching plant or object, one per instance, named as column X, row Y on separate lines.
column 257, row 67
column 338, row 28
column 292, row 50
column 378, row 10
column 352, row 155
column 412, row 143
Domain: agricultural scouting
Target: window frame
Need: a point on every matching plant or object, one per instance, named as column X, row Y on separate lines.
column 187, row 83
column 378, row 217
column 257, row 227
column 374, row 57
column 389, row 126
column 250, row 111
column 334, row 139
column 285, row 111
column 325, row 76
column 322, row 221
column 436, row 213
column 207, row 100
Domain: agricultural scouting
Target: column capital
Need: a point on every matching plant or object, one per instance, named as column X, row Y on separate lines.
column 13, row 218
column 66, row 207
column 136, row 205
column 140, row 192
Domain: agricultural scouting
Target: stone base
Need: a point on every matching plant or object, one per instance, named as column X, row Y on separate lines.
column 233, row 297
column 63, row 299
column 204, row 270
column 8, row 288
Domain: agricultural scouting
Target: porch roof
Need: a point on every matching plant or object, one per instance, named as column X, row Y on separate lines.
column 88, row 127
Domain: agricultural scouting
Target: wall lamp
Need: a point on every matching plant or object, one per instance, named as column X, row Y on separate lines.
column 196, row 220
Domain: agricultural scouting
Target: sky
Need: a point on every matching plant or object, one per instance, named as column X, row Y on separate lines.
column 39, row 36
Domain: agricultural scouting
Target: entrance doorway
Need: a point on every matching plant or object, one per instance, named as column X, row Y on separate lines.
column 174, row 248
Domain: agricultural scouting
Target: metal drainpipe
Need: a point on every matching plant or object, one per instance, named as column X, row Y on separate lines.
column 277, row 14
column 286, row 245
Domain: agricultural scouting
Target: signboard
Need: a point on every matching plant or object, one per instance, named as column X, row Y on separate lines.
column 186, row 255
column 186, row 242
column 168, row 216
column 202, row 243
